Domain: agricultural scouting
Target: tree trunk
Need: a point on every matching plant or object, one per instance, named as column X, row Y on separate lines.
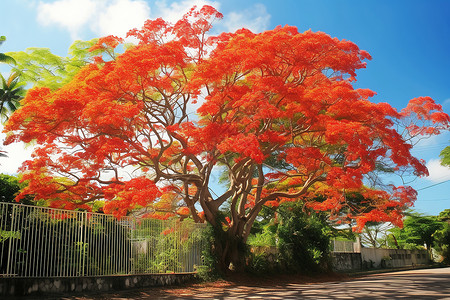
column 230, row 251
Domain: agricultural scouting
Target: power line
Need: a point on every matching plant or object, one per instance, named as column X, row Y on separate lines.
column 430, row 200
column 433, row 185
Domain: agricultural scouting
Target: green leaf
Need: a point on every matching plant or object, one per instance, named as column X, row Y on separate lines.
column 445, row 156
column 7, row 59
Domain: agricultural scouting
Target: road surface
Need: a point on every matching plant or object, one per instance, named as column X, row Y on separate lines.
column 413, row 284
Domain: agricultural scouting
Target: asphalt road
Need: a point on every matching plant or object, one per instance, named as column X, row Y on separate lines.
column 413, row 284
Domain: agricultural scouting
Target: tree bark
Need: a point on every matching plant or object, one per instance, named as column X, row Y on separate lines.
column 230, row 251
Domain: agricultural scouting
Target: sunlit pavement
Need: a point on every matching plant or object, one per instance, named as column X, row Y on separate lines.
column 413, row 284
column 416, row 284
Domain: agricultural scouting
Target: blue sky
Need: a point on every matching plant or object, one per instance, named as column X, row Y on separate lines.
column 409, row 41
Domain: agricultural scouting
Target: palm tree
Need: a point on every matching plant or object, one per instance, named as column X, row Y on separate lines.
column 11, row 92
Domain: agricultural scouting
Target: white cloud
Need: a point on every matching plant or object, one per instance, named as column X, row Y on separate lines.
column 72, row 15
column 120, row 16
column 103, row 17
column 438, row 173
column 255, row 18
column 174, row 11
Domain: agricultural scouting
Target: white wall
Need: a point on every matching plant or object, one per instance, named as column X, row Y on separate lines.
column 394, row 257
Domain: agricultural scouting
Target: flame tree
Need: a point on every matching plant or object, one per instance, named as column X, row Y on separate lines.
column 277, row 112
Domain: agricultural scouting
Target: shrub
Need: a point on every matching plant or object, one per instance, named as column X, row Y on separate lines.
column 302, row 242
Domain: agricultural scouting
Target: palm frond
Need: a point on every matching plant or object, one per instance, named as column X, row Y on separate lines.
column 7, row 59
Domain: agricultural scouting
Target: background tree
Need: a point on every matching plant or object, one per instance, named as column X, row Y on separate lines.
column 442, row 242
column 125, row 130
column 11, row 92
column 442, row 236
column 376, row 235
column 444, row 216
column 40, row 67
column 445, row 156
column 417, row 231
column 302, row 240
column 10, row 187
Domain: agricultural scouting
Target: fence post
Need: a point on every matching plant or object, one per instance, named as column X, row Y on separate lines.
column 10, row 248
column 81, row 243
column 131, row 235
column 357, row 245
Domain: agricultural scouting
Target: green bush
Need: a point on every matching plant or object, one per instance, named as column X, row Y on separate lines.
column 263, row 262
column 301, row 239
column 442, row 242
column 208, row 270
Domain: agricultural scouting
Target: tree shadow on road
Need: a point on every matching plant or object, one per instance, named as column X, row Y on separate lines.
column 416, row 284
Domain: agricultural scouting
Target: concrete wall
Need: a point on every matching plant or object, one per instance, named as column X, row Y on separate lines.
column 370, row 258
column 393, row 258
column 55, row 285
column 345, row 261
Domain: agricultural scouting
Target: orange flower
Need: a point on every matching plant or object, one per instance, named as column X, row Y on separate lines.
column 183, row 211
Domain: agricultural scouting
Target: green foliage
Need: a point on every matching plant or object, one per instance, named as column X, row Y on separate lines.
column 6, row 234
column 163, row 259
column 11, row 92
column 302, row 241
column 377, row 235
column 73, row 253
column 4, row 58
column 444, row 216
column 40, row 67
column 264, row 261
column 208, row 270
column 442, row 242
column 265, row 230
column 417, row 231
column 164, row 249
column 9, row 187
column 445, row 156
column 267, row 237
